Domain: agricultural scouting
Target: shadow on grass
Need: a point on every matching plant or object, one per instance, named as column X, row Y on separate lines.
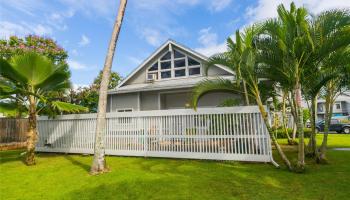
column 77, row 163
column 11, row 156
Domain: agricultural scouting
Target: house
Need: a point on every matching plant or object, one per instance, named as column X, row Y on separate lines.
column 341, row 107
column 165, row 81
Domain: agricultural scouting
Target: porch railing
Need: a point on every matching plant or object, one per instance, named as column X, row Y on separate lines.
column 234, row 133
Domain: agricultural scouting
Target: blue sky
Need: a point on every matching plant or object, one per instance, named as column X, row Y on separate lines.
column 83, row 27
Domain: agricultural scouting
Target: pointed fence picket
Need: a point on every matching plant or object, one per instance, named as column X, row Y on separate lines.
column 232, row 133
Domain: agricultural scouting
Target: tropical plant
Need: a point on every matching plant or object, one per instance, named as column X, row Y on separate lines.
column 250, row 73
column 231, row 59
column 326, row 73
column 284, row 50
column 27, row 79
column 99, row 162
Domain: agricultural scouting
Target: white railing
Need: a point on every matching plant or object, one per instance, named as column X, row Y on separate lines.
column 235, row 133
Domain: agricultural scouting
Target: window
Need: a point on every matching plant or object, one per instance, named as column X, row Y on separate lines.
column 173, row 64
column 194, row 71
column 180, row 72
column 154, row 67
column 125, row 110
column 165, row 65
column 337, row 106
column 178, row 54
column 179, row 63
column 167, row 56
column 165, row 74
column 192, row 62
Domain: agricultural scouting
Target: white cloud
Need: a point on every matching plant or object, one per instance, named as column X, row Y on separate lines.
column 267, row 8
column 73, row 64
column 21, row 29
column 213, row 49
column 76, row 86
column 84, row 40
column 135, row 60
column 207, row 38
column 219, row 5
column 209, row 43
column 153, row 37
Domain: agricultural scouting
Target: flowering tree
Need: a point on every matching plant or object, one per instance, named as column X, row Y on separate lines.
column 44, row 46
column 41, row 45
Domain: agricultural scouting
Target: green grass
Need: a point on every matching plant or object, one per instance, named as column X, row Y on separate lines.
column 58, row 176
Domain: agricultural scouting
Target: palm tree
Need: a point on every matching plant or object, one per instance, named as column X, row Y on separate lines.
column 284, row 49
column 326, row 68
column 232, row 59
column 28, row 79
column 99, row 162
column 250, row 73
column 339, row 65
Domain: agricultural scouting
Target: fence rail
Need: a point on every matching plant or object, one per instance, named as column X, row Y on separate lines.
column 235, row 133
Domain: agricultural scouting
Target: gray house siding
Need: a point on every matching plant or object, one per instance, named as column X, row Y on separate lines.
column 149, row 101
column 123, row 101
column 344, row 109
column 169, row 99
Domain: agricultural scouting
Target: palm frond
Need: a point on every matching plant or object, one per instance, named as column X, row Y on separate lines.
column 68, row 107
column 215, row 85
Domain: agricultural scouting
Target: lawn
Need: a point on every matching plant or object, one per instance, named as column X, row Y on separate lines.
column 58, row 176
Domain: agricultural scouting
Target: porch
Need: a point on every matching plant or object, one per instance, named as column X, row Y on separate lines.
column 232, row 133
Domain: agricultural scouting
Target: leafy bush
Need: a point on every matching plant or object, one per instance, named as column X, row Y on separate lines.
column 281, row 134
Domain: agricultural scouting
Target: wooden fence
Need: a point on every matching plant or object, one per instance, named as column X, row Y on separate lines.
column 13, row 130
column 234, row 133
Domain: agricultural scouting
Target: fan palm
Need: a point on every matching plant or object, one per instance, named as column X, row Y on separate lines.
column 27, row 79
column 250, row 73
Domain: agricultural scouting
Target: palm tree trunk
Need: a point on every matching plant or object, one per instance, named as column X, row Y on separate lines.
column 272, row 136
column 311, row 147
column 245, row 93
column 321, row 158
column 32, row 132
column 284, row 118
column 99, row 162
column 293, row 111
column 300, row 128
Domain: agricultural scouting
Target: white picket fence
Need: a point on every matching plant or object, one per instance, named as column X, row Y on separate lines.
column 235, row 133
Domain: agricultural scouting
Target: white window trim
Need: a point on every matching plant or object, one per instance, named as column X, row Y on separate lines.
column 172, row 68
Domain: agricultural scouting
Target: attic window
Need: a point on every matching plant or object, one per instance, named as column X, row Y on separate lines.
column 178, row 54
column 154, row 67
column 167, row 56
column 174, row 64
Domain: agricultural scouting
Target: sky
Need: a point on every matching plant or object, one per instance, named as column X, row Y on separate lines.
column 83, row 27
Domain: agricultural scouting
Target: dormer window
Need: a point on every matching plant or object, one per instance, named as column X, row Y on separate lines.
column 174, row 64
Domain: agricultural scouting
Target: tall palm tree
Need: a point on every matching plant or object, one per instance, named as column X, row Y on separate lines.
column 99, row 162
column 287, row 41
column 339, row 65
column 28, row 79
column 232, row 59
column 329, row 32
column 250, row 73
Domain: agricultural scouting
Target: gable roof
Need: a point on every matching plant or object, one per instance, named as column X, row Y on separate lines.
column 159, row 49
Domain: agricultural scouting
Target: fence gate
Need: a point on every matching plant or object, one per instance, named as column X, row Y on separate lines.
column 233, row 133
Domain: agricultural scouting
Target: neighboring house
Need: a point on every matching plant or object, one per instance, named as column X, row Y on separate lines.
column 165, row 81
column 341, row 107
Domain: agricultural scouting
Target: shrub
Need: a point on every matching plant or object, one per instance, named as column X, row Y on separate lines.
column 281, row 134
